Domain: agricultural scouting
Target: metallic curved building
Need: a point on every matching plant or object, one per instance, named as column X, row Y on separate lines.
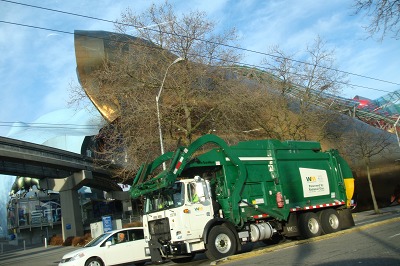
column 94, row 47
column 91, row 49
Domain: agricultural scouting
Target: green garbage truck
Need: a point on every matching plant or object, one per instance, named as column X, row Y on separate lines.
column 212, row 197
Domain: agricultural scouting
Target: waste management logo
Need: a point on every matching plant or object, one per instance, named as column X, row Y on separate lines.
column 315, row 182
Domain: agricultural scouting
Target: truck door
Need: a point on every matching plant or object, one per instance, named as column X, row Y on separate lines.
column 200, row 209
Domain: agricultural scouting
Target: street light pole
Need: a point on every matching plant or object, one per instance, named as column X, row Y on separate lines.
column 158, row 107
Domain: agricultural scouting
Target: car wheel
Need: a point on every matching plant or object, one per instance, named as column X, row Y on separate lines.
column 94, row 262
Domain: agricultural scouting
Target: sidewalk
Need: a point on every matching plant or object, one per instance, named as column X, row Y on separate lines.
column 5, row 246
column 361, row 217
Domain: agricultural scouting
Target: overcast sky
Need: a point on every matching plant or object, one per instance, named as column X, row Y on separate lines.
column 37, row 66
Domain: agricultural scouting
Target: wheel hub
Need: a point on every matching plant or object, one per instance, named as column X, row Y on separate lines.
column 333, row 221
column 313, row 226
column 222, row 243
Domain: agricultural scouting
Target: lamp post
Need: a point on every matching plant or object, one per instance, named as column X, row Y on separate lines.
column 158, row 107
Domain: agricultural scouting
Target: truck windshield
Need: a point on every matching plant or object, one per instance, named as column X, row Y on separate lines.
column 166, row 199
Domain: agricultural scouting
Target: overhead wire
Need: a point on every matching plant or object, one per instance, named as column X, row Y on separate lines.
column 202, row 40
column 156, row 47
column 159, row 48
column 48, row 125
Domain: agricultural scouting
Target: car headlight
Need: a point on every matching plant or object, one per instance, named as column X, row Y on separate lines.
column 77, row 256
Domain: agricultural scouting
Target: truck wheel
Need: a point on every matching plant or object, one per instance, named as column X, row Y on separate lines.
column 329, row 221
column 309, row 225
column 221, row 243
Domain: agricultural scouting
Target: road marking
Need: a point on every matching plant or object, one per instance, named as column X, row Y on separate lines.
column 394, row 235
column 366, row 222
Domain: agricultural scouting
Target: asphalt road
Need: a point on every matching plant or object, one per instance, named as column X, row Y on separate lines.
column 371, row 242
column 33, row 256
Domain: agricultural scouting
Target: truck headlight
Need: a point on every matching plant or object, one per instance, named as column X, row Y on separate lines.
column 178, row 235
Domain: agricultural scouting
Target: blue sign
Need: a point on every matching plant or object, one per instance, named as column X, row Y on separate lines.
column 107, row 224
column 68, row 226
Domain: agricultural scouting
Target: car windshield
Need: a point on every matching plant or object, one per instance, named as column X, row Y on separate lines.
column 97, row 240
column 166, row 199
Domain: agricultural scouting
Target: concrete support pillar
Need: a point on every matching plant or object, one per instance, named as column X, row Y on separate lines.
column 71, row 216
column 125, row 198
column 127, row 208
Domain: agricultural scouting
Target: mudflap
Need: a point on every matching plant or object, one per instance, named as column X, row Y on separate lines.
column 346, row 218
column 155, row 251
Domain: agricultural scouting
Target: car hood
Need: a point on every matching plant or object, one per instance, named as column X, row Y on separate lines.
column 77, row 251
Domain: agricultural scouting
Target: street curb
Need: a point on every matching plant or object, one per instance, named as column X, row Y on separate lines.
column 300, row 242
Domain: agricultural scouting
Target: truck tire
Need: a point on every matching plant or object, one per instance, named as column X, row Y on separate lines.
column 330, row 221
column 309, row 225
column 221, row 243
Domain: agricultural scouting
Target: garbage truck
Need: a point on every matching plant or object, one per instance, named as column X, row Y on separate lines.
column 213, row 197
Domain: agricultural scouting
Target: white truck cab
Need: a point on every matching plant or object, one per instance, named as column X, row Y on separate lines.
column 181, row 212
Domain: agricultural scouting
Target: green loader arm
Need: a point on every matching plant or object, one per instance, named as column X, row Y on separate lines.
column 145, row 182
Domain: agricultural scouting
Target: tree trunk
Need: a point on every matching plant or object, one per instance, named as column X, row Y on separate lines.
column 376, row 209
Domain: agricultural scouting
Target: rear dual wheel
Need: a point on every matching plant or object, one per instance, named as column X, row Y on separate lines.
column 309, row 225
column 326, row 221
column 330, row 221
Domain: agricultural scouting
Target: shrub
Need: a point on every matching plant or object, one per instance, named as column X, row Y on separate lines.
column 56, row 240
column 133, row 224
column 80, row 241
column 68, row 241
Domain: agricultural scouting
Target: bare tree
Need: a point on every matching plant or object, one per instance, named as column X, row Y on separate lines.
column 190, row 87
column 360, row 145
column 136, row 69
column 190, row 36
column 305, row 86
column 205, row 93
column 384, row 16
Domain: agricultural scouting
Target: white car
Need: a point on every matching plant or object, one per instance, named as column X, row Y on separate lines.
column 114, row 247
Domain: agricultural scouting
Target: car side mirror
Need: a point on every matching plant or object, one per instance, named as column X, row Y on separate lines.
column 108, row 243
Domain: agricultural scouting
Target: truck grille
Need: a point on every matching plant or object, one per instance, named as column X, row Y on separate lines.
column 159, row 229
